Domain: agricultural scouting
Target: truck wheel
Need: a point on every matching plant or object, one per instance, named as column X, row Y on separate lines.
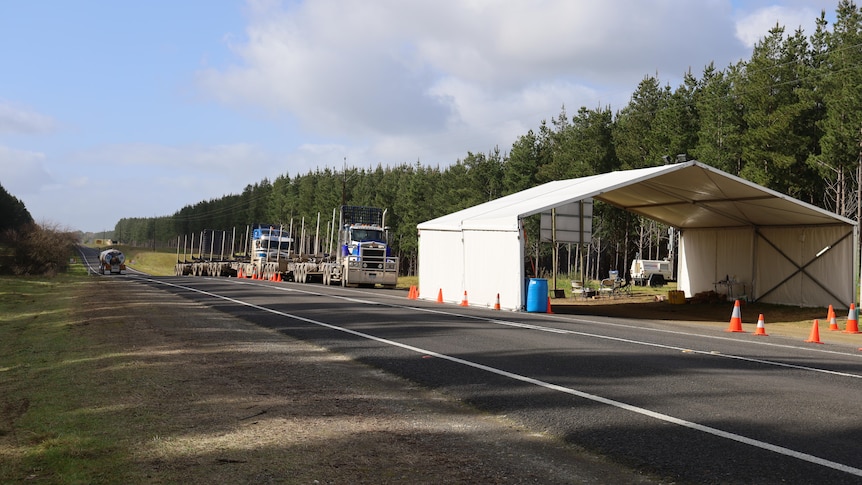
column 656, row 280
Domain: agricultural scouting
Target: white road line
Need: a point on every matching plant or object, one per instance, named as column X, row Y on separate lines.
column 547, row 385
column 761, row 342
column 542, row 328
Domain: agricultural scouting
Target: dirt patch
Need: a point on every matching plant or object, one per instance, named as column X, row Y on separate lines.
column 780, row 320
column 221, row 400
column 657, row 307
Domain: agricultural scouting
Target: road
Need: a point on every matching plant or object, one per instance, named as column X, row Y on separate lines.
column 691, row 405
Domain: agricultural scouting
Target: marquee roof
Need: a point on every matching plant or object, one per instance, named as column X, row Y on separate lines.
column 683, row 195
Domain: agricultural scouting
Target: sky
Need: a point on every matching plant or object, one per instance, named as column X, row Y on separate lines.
column 111, row 110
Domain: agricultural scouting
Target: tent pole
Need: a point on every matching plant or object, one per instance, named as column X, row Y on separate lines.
column 554, row 245
column 857, row 279
column 581, row 242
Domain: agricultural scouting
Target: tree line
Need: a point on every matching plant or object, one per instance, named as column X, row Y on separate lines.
column 789, row 118
column 28, row 248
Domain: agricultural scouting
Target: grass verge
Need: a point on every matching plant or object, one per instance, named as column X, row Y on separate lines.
column 51, row 389
column 156, row 263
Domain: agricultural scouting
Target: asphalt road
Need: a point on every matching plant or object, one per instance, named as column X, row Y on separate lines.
column 690, row 405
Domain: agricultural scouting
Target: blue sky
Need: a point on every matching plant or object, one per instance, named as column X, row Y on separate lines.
column 135, row 109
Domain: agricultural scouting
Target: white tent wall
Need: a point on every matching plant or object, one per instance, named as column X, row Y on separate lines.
column 710, row 255
column 754, row 259
column 833, row 269
column 492, row 259
column 441, row 256
column 478, row 262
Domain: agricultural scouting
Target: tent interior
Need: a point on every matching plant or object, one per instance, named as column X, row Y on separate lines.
column 776, row 249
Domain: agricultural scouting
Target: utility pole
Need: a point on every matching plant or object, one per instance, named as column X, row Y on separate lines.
column 344, row 183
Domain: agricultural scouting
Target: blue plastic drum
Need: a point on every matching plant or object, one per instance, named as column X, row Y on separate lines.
column 537, row 295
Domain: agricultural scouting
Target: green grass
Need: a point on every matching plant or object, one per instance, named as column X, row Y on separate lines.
column 49, row 389
column 156, row 263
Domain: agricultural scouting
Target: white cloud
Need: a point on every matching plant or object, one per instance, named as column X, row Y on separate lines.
column 226, row 161
column 111, row 182
column 429, row 79
column 754, row 26
column 15, row 119
column 23, row 172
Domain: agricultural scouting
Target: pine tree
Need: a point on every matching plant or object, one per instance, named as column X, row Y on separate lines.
column 719, row 141
column 15, row 214
column 841, row 143
column 634, row 135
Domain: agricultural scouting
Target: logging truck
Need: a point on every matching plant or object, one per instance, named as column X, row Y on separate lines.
column 359, row 257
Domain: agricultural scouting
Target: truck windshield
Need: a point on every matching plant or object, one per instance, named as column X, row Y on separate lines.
column 367, row 235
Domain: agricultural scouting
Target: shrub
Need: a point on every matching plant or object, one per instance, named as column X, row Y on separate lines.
column 38, row 249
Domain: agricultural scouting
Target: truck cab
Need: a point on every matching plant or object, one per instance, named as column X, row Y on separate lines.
column 365, row 255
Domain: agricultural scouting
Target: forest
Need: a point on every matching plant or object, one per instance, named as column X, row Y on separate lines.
column 788, row 118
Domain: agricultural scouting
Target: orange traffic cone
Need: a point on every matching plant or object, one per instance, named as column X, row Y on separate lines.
column 440, row 296
column 239, row 274
column 761, row 329
column 464, row 301
column 735, row 319
column 852, row 321
column 814, row 338
column 831, row 316
column 549, row 306
column 414, row 293
column 497, row 305
column 278, row 277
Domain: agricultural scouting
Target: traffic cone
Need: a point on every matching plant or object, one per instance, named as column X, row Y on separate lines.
column 735, row 319
column 549, row 306
column 852, row 321
column 761, row 329
column 278, row 277
column 239, row 274
column 440, row 296
column 497, row 304
column 831, row 316
column 464, row 301
column 814, row 338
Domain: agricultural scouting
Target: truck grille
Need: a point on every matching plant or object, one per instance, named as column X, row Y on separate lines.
column 370, row 255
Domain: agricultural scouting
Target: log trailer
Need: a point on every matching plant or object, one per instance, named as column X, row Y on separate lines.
column 362, row 257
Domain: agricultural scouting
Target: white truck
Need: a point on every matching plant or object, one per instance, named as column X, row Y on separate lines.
column 112, row 261
column 651, row 272
column 363, row 257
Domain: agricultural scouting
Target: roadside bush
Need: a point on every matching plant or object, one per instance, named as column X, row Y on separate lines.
column 34, row 249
